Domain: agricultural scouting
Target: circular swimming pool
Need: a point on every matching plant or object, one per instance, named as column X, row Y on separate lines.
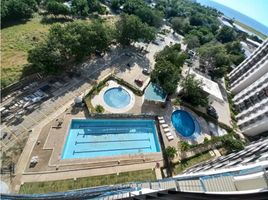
column 117, row 97
column 183, row 123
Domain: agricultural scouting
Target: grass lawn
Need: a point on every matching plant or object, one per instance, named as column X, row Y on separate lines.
column 180, row 167
column 70, row 184
column 16, row 40
column 250, row 29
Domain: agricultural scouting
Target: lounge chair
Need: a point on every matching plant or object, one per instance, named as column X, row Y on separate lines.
column 160, row 118
column 162, row 121
column 164, row 125
column 166, row 129
column 170, row 137
column 168, row 134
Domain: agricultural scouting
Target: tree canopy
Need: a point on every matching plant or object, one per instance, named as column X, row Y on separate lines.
column 226, row 34
column 72, row 41
column 17, row 9
column 57, row 8
column 131, row 29
column 193, row 93
column 168, row 67
column 83, row 8
column 166, row 75
column 172, row 54
column 170, row 152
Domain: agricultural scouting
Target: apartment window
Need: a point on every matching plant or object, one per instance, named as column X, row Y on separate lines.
column 248, row 104
column 261, row 95
column 266, row 91
column 254, row 99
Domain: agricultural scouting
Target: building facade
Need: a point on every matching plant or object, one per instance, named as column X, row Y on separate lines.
column 249, row 84
column 246, row 170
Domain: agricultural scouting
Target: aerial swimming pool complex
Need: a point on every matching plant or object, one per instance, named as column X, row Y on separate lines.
column 110, row 137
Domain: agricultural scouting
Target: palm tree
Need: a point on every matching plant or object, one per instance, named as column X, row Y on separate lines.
column 170, row 152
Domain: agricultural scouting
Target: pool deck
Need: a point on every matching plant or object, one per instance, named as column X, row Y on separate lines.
column 51, row 167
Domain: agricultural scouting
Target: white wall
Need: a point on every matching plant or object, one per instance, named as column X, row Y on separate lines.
column 256, row 128
column 251, row 78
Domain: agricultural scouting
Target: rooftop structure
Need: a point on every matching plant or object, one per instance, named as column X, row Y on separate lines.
column 208, row 86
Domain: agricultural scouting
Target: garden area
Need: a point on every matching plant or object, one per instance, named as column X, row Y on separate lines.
column 71, row 184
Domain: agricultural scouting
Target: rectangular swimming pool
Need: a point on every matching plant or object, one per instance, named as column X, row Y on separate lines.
column 110, row 137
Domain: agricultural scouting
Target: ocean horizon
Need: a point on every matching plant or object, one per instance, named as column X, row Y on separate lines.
column 231, row 13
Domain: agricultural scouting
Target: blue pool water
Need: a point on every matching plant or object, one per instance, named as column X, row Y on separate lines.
column 184, row 123
column 154, row 93
column 96, row 138
column 117, row 97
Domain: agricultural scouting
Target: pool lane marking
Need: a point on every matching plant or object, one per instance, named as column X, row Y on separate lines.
column 92, row 151
column 102, row 141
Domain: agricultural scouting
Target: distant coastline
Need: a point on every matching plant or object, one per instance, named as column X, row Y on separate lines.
column 231, row 13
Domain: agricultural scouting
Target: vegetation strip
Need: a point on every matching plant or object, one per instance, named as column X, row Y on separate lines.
column 70, row 184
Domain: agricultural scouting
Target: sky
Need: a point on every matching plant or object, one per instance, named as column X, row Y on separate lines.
column 256, row 9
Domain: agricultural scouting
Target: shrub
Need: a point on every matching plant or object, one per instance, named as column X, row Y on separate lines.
column 206, row 140
column 185, row 146
column 99, row 109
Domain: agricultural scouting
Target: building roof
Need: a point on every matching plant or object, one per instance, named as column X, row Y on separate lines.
column 208, row 86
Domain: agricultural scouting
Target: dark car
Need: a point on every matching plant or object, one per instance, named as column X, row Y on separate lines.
column 212, row 112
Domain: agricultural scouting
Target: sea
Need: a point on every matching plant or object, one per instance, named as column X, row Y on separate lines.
column 231, row 13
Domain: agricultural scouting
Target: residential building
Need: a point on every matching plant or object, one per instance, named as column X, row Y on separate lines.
column 249, row 85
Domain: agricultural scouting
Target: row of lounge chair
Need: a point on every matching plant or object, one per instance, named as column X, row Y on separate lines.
column 166, row 128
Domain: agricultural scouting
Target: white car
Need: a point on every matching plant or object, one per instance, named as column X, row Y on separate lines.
column 36, row 99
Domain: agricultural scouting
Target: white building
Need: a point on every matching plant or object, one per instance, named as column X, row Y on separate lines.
column 249, row 84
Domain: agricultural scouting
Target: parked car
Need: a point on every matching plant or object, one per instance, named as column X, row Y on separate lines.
column 212, row 112
column 146, row 71
column 36, row 99
column 155, row 42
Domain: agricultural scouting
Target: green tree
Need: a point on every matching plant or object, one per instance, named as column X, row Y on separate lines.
column 99, row 109
column 131, row 6
column 115, row 4
column 73, row 41
column 17, row 9
column 166, row 75
column 149, row 16
column 130, row 29
column 170, row 152
column 226, row 34
column 192, row 41
column 214, row 57
column 80, row 8
column 184, row 145
column 232, row 144
column 172, row 54
column 196, row 20
column 180, row 25
column 235, row 51
column 57, row 8
column 193, row 93
column 46, row 57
